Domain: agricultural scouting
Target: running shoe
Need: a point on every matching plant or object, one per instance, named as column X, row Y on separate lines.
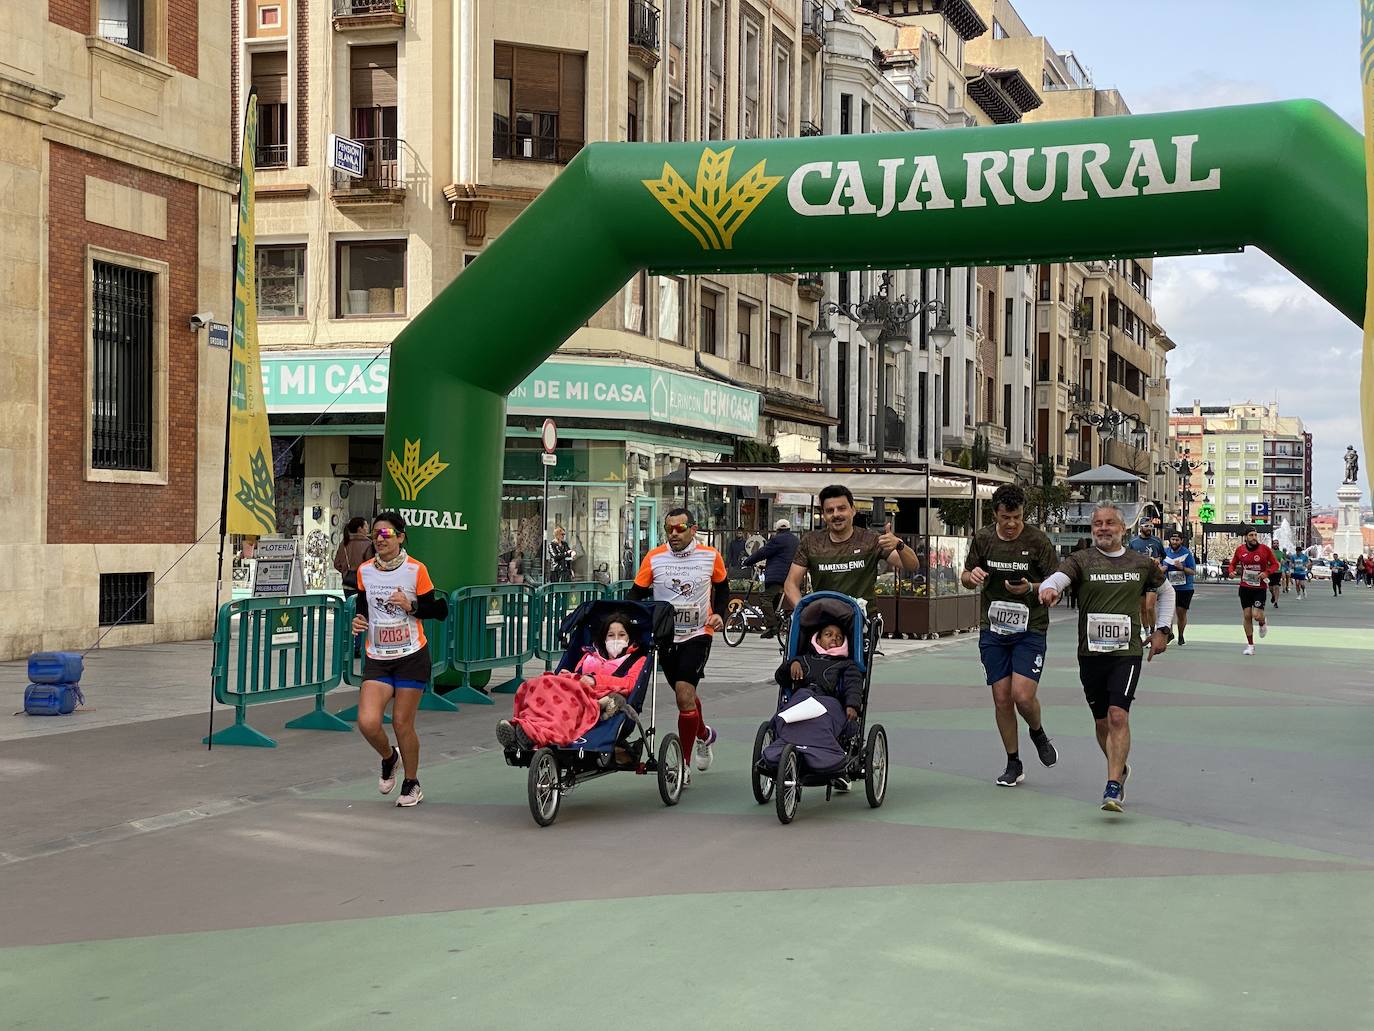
column 1249, row 650
column 410, row 793
column 705, row 755
column 1049, row 755
column 1125, row 776
column 1014, row 775
column 686, row 776
column 1111, row 798
column 387, row 780
column 1264, row 629
column 505, row 734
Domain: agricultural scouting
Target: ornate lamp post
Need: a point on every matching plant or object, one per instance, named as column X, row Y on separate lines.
column 884, row 320
column 1185, row 467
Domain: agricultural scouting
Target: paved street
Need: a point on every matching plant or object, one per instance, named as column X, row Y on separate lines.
column 148, row 883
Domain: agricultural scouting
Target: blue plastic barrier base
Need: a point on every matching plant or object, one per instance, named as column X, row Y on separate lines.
column 437, row 703
column 319, row 720
column 351, row 715
column 239, row 734
column 470, row 695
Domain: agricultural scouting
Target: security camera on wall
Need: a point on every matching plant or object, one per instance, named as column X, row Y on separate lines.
column 201, row 319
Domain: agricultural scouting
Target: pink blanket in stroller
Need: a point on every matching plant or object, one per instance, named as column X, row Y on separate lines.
column 556, row 708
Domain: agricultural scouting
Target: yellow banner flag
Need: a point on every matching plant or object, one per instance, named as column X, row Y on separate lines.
column 1367, row 374
column 252, row 502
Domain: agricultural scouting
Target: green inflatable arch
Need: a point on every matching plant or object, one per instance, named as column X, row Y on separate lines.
column 1287, row 178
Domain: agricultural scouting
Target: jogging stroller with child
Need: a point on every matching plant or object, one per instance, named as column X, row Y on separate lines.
column 781, row 768
column 620, row 743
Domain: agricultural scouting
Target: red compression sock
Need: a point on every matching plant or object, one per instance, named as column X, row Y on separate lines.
column 687, row 724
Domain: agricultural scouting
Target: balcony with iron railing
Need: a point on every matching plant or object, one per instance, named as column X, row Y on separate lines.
column 810, row 129
column 521, row 145
column 383, row 178
column 813, row 24
column 368, row 14
column 271, row 155
column 644, row 22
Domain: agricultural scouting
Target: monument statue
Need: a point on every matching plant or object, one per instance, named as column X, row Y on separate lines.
column 1352, row 464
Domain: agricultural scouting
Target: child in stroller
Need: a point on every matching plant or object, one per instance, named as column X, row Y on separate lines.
column 594, row 715
column 556, row 708
column 825, row 680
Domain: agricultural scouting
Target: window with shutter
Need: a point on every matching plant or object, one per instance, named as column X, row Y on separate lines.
column 269, row 80
column 539, row 104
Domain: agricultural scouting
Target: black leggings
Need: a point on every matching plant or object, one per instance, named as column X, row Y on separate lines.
column 1336, row 579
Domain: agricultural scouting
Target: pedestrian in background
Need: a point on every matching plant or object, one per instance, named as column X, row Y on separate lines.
column 354, row 550
column 776, row 555
column 561, row 557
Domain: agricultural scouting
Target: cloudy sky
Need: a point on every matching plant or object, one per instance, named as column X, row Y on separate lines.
column 1246, row 329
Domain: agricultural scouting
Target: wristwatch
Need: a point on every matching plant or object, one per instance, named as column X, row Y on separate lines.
column 900, row 545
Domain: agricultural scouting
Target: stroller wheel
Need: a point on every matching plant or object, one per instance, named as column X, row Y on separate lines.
column 544, row 790
column 760, row 780
column 670, row 770
column 788, row 785
column 875, row 766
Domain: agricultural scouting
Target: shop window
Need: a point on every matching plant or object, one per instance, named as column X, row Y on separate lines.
column 670, row 291
column 124, row 314
column 745, row 329
column 371, row 278
column 269, row 79
column 634, row 303
column 539, row 104
column 711, row 305
column 281, row 281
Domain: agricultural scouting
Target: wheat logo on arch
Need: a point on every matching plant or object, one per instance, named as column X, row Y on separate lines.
column 411, row 476
column 713, row 210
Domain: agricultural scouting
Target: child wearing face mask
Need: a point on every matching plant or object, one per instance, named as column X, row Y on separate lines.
column 826, row 668
column 555, row 708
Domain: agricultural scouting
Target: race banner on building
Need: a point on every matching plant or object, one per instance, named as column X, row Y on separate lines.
column 251, row 502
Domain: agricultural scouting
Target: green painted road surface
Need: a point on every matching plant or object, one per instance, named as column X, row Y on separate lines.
column 156, row 886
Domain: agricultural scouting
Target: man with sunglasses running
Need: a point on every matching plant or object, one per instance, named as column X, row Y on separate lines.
column 691, row 577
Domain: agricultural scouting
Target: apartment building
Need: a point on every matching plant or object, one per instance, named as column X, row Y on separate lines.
column 889, row 70
column 1249, row 453
column 115, row 218
column 1101, row 394
column 466, row 112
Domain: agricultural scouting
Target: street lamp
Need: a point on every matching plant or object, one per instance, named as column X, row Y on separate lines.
column 1185, row 467
column 885, row 321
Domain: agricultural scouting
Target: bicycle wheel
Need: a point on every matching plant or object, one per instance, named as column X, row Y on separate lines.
column 736, row 627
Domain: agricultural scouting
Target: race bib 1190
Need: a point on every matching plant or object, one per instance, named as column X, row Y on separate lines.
column 1108, row 632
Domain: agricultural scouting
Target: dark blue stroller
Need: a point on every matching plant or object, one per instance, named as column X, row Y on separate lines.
column 782, row 775
column 556, row 769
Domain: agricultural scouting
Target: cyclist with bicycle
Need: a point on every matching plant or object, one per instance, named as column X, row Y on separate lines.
column 777, row 555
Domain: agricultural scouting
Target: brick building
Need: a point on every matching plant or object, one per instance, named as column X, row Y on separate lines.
column 115, row 228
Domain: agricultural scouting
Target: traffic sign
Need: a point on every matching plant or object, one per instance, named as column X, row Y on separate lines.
column 549, row 458
column 1259, row 508
column 548, row 436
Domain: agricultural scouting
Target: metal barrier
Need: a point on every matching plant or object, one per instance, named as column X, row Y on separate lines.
column 493, row 626
column 552, row 603
column 618, row 590
column 291, row 647
column 438, row 634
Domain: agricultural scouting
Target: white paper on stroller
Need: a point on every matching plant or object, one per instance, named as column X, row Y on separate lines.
column 806, row 709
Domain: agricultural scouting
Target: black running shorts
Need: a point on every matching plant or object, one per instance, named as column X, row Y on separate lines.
column 1109, row 680
column 1182, row 599
column 684, row 662
column 409, row 671
column 1252, row 597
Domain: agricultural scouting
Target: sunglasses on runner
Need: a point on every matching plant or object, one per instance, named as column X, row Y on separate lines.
column 678, row 527
column 384, row 534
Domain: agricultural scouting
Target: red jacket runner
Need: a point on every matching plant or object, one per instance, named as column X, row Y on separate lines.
column 1255, row 566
